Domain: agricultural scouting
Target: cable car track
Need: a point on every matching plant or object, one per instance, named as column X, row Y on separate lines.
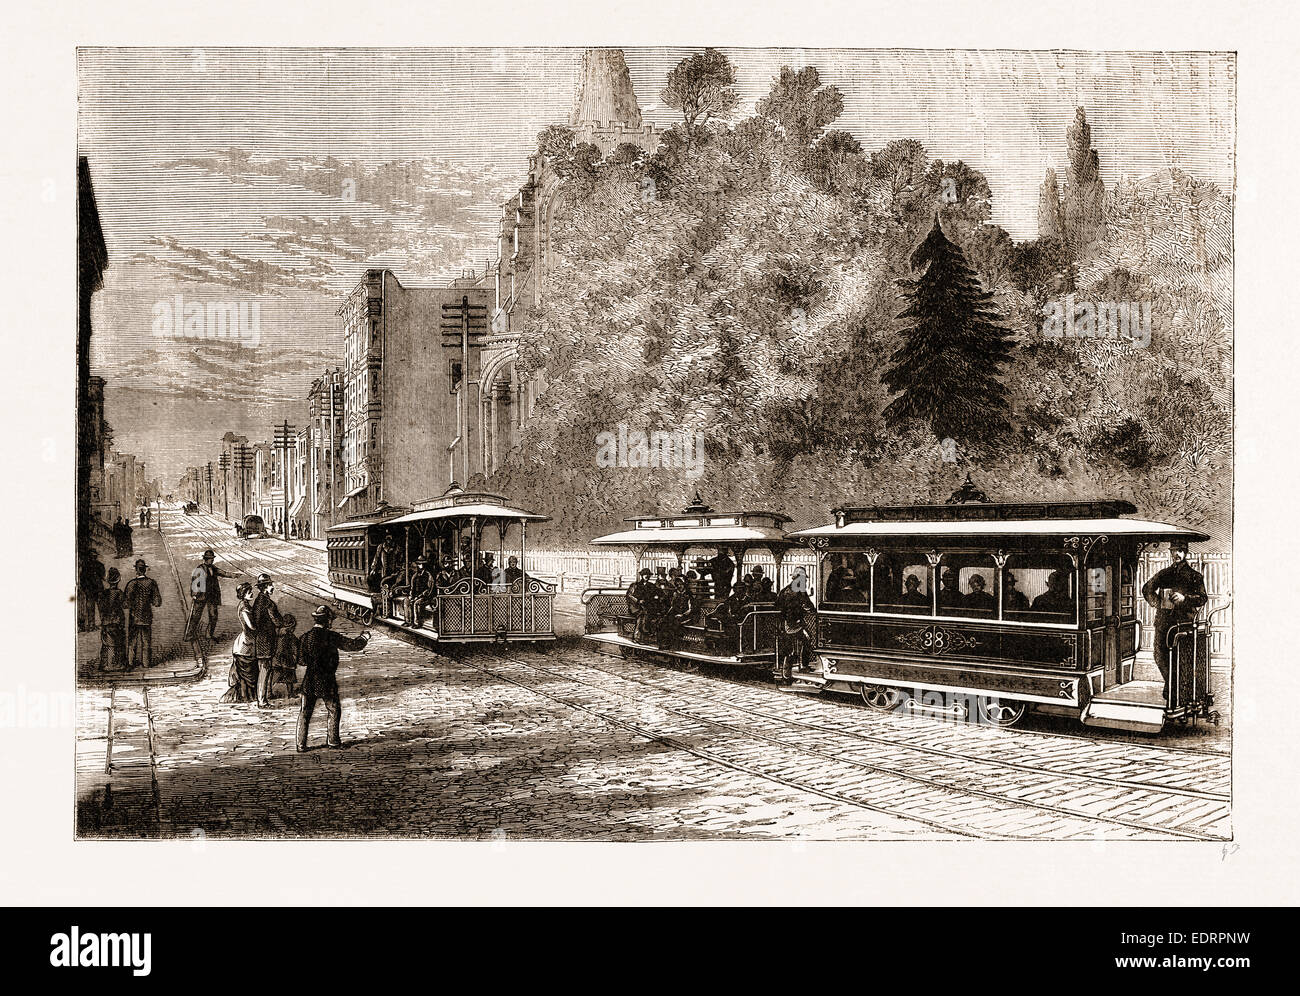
column 921, row 779
column 947, row 790
column 1128, row 783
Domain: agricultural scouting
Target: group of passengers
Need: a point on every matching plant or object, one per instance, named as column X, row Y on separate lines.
column 419, row 582
column 847, row 585
column 663, row 606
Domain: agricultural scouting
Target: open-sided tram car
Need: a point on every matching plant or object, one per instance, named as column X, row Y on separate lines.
column 455, row 529
column 690, row 537
column 987, row 610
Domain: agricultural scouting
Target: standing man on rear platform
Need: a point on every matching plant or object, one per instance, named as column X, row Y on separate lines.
column 1177, row 593
column 320, row 654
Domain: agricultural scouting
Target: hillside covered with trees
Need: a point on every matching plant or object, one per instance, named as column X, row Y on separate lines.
column 846, row 325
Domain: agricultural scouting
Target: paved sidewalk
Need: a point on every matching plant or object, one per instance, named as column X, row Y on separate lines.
column 173, row 658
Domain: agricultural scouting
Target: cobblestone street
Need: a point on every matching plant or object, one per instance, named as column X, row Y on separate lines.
column 574, row 744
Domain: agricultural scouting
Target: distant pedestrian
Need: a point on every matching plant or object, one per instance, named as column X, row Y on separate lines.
column 119, row 539
column 267, row 623
column 243, row 669
column 141, row 516
column 205, row 589
column 148, row 515
column 127, row 546
column 142, row 597
column 112, row 624
column 320, row 655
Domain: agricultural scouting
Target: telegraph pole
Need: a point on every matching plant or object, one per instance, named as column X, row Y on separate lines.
column 243, row 464
column 459, row 323
column 283, row 439
column 209, row 486
column 224, row 463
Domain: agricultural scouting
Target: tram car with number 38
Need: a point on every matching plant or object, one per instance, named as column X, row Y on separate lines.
column 984, row 611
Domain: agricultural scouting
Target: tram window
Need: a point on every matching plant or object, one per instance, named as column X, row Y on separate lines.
column 968, row 585
column 903, row 584
column 848, row 579
column 1098, row 594
column 1039, row 587
column 1127, row 600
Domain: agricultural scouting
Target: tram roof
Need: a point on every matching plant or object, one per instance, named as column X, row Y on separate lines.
column 481, row 509
column 768, row 536
column 1083, row 525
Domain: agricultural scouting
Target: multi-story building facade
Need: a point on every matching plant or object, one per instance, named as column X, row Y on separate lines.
column 325, row 472
column 410, row 392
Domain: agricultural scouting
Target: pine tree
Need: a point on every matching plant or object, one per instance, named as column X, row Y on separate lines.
column 946, row 371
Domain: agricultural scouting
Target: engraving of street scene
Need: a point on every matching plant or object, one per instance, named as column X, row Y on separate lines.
column 643, row 443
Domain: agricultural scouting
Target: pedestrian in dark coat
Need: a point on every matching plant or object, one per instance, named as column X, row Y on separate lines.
column 1176, row 593
column 267, row 623
column 319, row 651
column 142, row 597
column 205, row 589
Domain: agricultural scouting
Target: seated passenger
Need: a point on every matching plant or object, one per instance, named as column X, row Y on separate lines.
column 643, row 604
column 419, row 593
column 912, row 594
column 977, row 599
column 676, row 615
column 1057, row 596
column 837, row 582
column 760, row 585
column 1013, row 599
column 513, row 573
column 950, row 596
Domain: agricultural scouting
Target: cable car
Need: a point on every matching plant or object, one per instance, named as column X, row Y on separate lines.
column 719, row 626
column 477, row 589
column 984, row 610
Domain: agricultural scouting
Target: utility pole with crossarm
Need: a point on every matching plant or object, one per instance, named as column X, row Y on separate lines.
column 283, row 440
column 463, row 325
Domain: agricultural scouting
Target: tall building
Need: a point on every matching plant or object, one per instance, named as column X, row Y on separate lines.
column 92, row 261
column 411, row 392
column 325, row 472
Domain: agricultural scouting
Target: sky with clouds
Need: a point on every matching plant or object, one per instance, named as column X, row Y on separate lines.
column 276, row 176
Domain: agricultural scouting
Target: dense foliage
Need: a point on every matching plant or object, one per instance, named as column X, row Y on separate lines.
column 746, row 283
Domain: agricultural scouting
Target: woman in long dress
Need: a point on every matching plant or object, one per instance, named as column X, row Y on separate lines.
column 243, row 670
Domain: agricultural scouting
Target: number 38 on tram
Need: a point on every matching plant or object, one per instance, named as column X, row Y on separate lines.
column 987, row 610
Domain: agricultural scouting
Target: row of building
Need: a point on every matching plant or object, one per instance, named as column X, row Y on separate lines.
column 429, row 393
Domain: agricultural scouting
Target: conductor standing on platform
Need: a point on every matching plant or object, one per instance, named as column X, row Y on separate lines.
column 1176, row 592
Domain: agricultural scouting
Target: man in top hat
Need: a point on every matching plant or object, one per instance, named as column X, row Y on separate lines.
column 112, row 624
column 205, row 589
column 267, row 623
column 1176, row 592
column 142, row 596
column 319, row 650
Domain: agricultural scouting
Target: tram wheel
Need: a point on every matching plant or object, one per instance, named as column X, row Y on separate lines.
column 367, row 616
column 1000, row 712
column 882, row 698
